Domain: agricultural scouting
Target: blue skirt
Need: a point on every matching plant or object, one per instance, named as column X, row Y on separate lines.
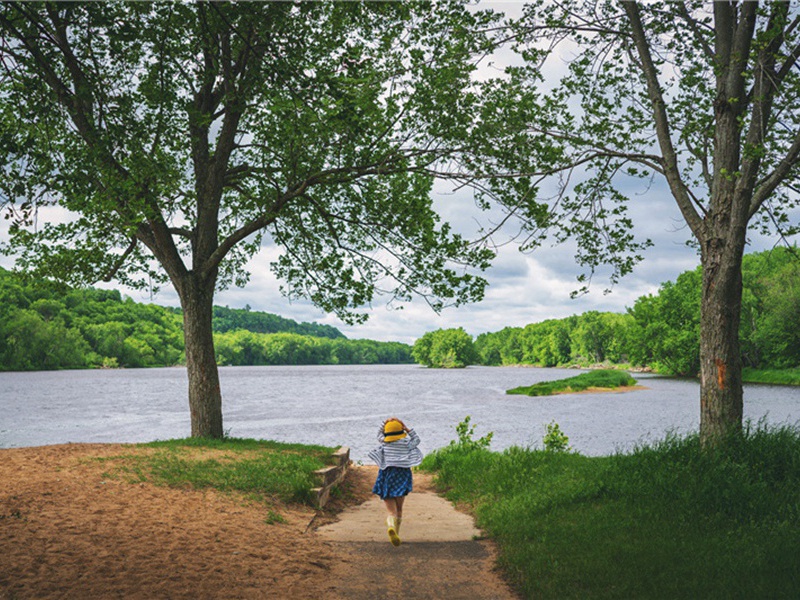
column 393, row 482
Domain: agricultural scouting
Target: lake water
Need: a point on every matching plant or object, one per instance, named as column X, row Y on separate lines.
column 344, row 405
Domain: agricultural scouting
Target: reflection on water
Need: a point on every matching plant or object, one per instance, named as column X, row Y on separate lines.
column 343, row 405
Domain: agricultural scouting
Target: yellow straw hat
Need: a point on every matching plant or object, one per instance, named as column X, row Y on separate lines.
column 393, row 431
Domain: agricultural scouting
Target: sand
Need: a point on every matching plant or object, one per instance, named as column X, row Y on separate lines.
column 70, row 530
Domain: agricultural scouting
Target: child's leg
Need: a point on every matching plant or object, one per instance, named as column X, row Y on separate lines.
column 391, row 520
column 399, row 501
column 399, row 505
column 392, row 507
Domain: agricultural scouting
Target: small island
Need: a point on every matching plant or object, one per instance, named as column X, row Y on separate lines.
column 601, row 380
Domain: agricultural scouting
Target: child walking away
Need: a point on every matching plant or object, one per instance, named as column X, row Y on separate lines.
column 395, row 456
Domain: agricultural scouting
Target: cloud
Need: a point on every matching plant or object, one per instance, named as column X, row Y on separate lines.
column 523, row 288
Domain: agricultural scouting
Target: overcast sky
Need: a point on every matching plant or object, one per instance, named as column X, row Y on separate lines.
column 523, row 288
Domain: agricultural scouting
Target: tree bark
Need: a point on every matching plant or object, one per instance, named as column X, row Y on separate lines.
column 205, row 397
column 721, row 394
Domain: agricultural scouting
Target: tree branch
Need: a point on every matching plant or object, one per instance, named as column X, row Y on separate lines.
column 764, row 86
column 120, row 261
column 770, row 183
column 696, row 32
column 182, row 232
column 669, row 156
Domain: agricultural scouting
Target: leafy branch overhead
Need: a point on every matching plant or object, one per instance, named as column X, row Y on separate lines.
column 181, row 137
column 177, row 138
column 701, row 95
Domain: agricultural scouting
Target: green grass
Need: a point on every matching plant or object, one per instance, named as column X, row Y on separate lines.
column 263, row 470
column 774, row 376
column 665, row 521
column 603, row 378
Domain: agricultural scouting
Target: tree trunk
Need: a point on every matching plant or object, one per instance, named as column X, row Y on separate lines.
column 720, row 358
column 205, row 398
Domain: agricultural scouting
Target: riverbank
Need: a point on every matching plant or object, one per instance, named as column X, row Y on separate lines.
column 666, row 521
column 772, row 376
column 189, row 519
column 115, row 521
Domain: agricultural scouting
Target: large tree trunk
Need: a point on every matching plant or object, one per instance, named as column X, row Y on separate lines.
column 205, row 398
column 721, row 396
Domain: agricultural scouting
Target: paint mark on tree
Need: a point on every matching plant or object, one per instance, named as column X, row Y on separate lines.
column 721, row 367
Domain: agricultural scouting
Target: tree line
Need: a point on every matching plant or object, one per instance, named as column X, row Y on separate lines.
column 660, row 331
column 45, row 325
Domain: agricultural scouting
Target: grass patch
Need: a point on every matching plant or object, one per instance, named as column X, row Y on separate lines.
column 664, row 521
column 773, row 376
column 603, row 378
column 260, row 469
column 274, row 518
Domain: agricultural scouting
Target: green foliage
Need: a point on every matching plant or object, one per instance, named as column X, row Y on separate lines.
column 671, row 520
column 781, row 377
column 464, row 444
column 604, row 378
column 247, row 348
column 445, row 349
column 465, row 441
column 274, row 518
column 666, row 328
column 586, row 339
column 772, row 309
column 259, row 468
column 176, row 139
column 662, row 331
column 232, row 319
column 47, row 326
column 554, row 439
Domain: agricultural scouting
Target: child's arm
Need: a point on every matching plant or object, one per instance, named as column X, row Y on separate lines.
column 413, row 439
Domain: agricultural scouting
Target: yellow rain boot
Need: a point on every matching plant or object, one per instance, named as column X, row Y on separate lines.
column 398, row 521
column 391, row 524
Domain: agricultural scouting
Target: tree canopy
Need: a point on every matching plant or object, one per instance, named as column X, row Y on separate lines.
column 190, row 133
column 178, row 137
column 703, row 96
column 445, row 349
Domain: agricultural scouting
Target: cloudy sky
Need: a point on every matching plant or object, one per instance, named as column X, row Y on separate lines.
column 523, row 288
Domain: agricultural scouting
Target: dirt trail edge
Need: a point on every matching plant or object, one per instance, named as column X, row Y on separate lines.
column 440, row 556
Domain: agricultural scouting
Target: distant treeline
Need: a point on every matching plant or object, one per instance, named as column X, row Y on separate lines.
column 232, row 319
column 247, row 348
column 44, row 325
column 660, row 331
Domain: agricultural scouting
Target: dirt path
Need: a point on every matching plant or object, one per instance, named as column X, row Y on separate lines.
column 440, row 556
column 70, row 529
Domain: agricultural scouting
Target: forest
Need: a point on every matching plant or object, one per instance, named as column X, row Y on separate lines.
column 661, row 331
column 45, row 325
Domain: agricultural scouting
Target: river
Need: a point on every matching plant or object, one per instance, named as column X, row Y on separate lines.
column 344, row 405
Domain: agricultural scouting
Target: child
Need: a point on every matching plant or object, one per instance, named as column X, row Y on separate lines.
column 395, row 456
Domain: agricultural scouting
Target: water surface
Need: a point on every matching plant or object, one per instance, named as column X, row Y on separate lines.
column 344, row 405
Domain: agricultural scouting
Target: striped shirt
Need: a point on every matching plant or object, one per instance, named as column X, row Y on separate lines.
column 400, row 453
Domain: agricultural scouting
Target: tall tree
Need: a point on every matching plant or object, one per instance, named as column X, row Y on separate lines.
column 178, row 137
column 705, row 96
